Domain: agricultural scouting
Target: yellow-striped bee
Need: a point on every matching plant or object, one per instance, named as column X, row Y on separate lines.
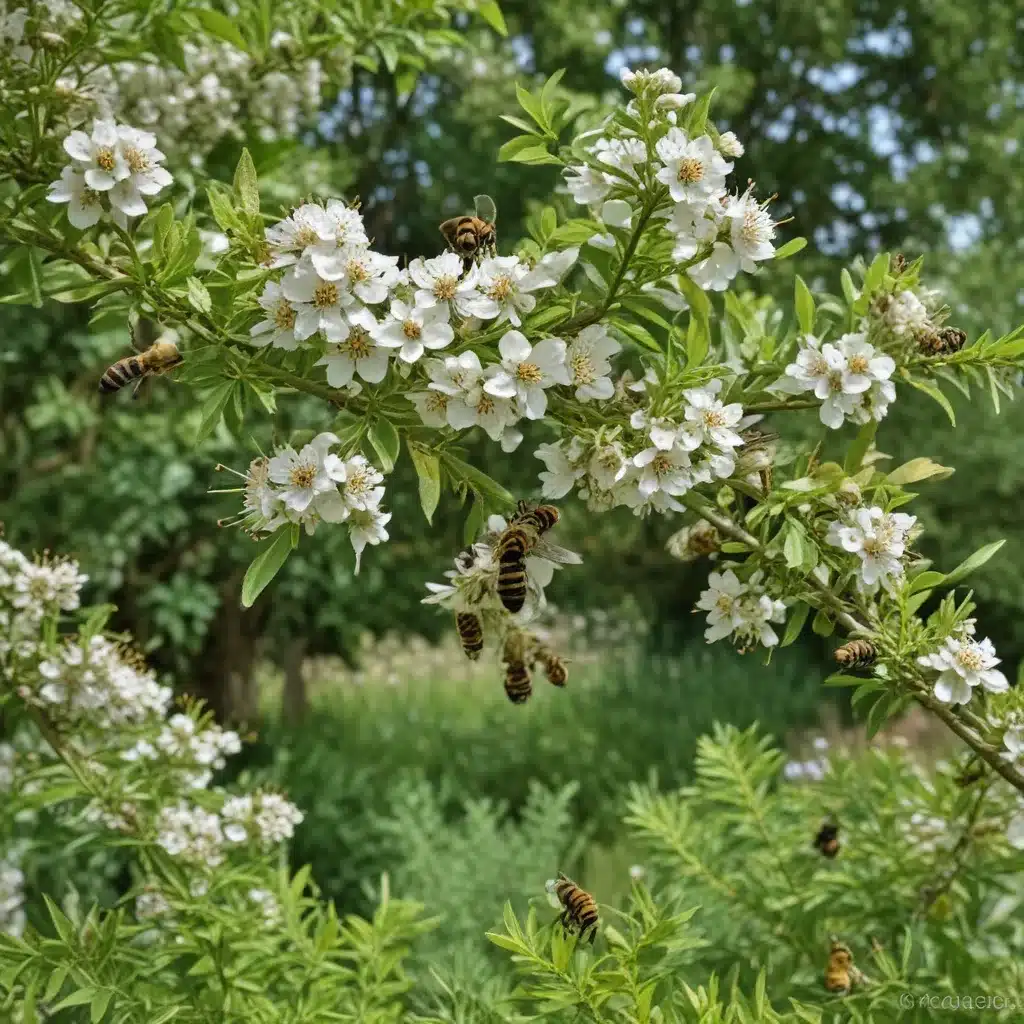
column 554, row 667
column 579, row 913
column 518, row 682
column 473, row 236
column 518, row 540
column 827, row 839
column 471, row 634
column 942, row 341
column 160, row 357
column 839, row 971
column 855, row 654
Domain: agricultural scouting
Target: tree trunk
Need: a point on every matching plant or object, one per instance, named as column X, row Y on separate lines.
column 294, row 699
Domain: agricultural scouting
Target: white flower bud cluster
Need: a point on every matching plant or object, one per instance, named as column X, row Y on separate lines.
column 742, row 610
column 654, row 463
column 191, row 833
column 198, row 752
column 717, row 234
column 316, row 485
column 262, row 817
column 850, row 378
column 111, row 171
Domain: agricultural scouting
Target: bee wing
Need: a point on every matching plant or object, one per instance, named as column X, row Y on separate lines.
column 553, row 553
column 135, row 390
column 485, row 208
column 449, row 228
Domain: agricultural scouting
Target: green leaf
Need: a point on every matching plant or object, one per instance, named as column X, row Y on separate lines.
column 491, row 13
column 798, row 616
column 213, row 408
column 98, row 1007
column 548, row 221
column 822, row 624
column 933, row 391
column 876, row 273
column 505, row 942
column 265, row 566
column 428, row 471
column 82, row 996
column 523, row 126
column 521, row 144
column 246, row 186
column 804, row 306
column 698, row 117
column 975, row 561
column 480, row 482
column 198, row 296
column 849, row 289
column 534, row 156
column 858, row 449
column 918, row 469
column 547, row 96
column 386, row 442
column 838, row 679
column 389, row 52
column 791, row 248
column 698, row 341
column 221, row 26
column 531, row 104
column 926, row 581
column 221, row 208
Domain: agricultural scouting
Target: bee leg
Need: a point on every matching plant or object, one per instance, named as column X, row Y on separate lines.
column 593, row 933
column 135, row 390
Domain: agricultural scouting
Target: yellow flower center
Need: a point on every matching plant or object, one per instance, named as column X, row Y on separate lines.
column 302, row 476
column 723, row 603
column 135, row 159
column 90, row 197
column 326, row 295
column 501, row 289
column 485, row 404
column 970, row 658
column 305, row 236
column 411, row 330
column 712, row 418
column 436, row 401
column 284, row 316
column 529, row 373
column 357, row 481
column 859, row 364
column 691, row 170
column 582, row 367
column 105, row 159
column 661, row 463
column 757, row 228
column 835, row 381
column 357, row 272
column 357, row 344
column 444, row 288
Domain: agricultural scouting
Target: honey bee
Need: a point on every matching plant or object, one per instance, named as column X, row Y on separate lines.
column 517, row 541
column 579, row 911
column 473, row 236
column 518, row 683
column 942, row 341
column 839, row 972
column 160, row 357
column 827, row 839
column 898, row 264
column 855, row 654
column 554, row 668
column 471, row 634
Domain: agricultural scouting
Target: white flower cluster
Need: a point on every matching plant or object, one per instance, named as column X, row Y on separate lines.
column 199, row 751
column 850, row 378
column 741, row 610
column 474, row 579
column 95, row 682
column 717, row 234
column 29, row 592
column 315, row 484
column 213, row 98
column 12, row 897
column 191, row 833
column 115, row 162
column 962, row 663
column 268, row 905
column 906, row 315
column 265, row 817
column 661, row 461
column 878, row 539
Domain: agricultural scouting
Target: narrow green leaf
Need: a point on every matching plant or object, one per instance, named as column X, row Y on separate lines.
column 791, row 248
column 512, row 945
column 474, row 521
column 246, row 186
column 213, row 408
column 697, row 121
column 822, row 624
column 521, row 144
column 839, row 679
column 876, row 273
column 534, row 156
column 386, row 442
column 918, row 469
column 480, row 482
column 858, row 449
column 698, row 341
column 933, row 391
column 797, row 617
column 804, row 306
column 849, row 289
column 926, row 581
column 531, row 104
column 975, row 561
column 491, row 13
column 198, row 296
column 547, row 96
column 99, row 1004
column 221, row 208
column 221, row 26
column 428, row 471
column 389, row 52
column 548, row 221
column 79, row 998
column 265, row 566
column 523, row 126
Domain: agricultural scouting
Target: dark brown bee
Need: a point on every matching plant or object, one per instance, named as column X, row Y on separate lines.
column 855, row 654
column 471, row 634
column 554, row 667
column 518, row 684
column 942, row 341
column 827, row 839
column 514, row 545
column 158, row 358
column 471, row 237
column 839, row 968
column 579, row 912
column 898, row 264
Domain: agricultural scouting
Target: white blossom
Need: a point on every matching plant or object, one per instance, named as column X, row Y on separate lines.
column 587, row 361
column 716, row 271
column 366, row 526
column 304, row 474
column 366, row 274
column 561, row 472
column 358, row 353
column 964, row 663
column 906, row 314
column 319, row 304
column 741, row 610
column 693, row 170
column 297, row 235
column 709, row 420
column 878, row 539
column 191, row 833
column 278, row 327
column 85, row 204
column 751, row 230
column 413, row 329
column 439, row 282
column 526, row 370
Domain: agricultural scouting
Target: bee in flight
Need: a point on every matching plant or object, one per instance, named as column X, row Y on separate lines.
column 579, row 908
column 827, row 839
column 471, row 633
column 519, row 539
column 158, row 358
column 554, row 667
column 518, row 683
column 855, row 654
column 473, row 236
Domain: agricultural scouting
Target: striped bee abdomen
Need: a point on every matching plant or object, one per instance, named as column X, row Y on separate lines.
column 471, row 634
column 855, row 654
column 512, row 568
column 827, row 840
column 121, row 373
column 541, row 519
column 518, row 686
column 580, row 913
